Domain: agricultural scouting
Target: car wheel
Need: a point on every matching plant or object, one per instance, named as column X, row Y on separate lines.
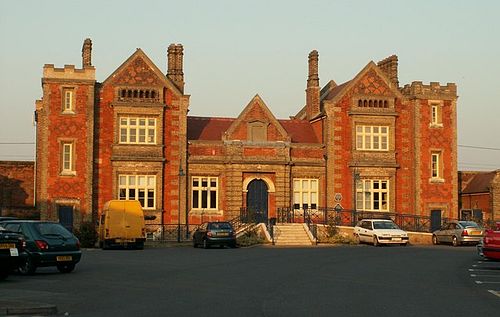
column 27, row 267
column 4, row 273
column 205, row 244
column 232, row 245
column 375, row 241
column 66, row 268
column 195, row 245
column 435, row 239
column 139, row 245
column 356, row 239
column 404, row 244
column 454, row 241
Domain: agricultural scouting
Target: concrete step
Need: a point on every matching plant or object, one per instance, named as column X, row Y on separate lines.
column 291, row 234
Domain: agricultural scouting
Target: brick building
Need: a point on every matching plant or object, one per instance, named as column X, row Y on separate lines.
column 366, row 144
column 480, row 195
column 16, row 188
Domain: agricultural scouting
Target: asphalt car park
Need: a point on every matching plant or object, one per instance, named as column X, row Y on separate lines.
column 357, row 280
column 486, row 275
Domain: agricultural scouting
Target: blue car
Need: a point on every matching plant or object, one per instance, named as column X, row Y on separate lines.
column 215, row 233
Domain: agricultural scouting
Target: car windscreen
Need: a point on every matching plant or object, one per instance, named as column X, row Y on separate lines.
column 384, row 225
column 220, row 226
column 52, row 229
column 468, row 224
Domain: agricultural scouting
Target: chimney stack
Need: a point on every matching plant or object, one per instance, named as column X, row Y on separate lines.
column 389, row 66
column 313, row 89
column 87, row 53
column 175, row 53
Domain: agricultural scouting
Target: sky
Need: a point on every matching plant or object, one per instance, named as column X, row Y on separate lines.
column 234, row 50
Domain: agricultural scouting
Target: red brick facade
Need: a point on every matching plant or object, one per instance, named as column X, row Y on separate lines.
column 366, row 144
column 16, row 187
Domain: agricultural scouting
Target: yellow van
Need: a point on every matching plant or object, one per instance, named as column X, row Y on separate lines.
column 122, row 224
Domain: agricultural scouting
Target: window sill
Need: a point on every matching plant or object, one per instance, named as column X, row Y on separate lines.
column 435, row 125
column 436, row 180
column 68, row 112
column 68, row 173
column 205, row 212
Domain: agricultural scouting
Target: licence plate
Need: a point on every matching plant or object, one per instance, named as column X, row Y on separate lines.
column 7, row 245
column 475, row 233
column 63, row 258
column 396, row 239
column 222, row 234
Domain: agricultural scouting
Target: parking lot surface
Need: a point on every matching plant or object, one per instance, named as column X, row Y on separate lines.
column 268, row 281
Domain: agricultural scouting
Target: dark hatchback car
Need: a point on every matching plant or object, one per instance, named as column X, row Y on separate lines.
column 47, row 244
column 214, row 233
column 11, row 251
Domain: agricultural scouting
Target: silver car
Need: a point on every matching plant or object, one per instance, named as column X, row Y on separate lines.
column 458, row 232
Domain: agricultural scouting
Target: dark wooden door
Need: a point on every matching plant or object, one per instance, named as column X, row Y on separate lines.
column 435, row 220
column 66, row 216
column 257, row 200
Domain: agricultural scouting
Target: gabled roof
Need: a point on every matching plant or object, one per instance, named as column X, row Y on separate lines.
column 299, row 131
column 480, row 183
column 212, row 129
column 256, row 100
column 140, row 54
column 207, row 128
column 339, row 91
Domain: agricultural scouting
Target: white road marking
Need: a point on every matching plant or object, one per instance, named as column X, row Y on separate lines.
column 479, row 270
column 496, row 293
column 487, row 282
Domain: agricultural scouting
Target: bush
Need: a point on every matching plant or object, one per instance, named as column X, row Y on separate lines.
column 334, row 236
column 87, row 234
column 249, row 238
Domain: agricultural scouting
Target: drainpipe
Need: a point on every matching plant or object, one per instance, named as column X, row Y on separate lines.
column 35, row 120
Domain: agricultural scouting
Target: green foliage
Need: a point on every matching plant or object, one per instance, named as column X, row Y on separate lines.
column 333, row 234
column 249, row 238
column 87, row 234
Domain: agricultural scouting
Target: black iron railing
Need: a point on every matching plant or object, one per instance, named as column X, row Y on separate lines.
column 346, row 217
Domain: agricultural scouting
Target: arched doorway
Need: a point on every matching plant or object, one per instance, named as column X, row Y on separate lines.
column 257, row 198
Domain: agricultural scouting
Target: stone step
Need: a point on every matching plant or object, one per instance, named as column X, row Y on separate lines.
column 291, row 234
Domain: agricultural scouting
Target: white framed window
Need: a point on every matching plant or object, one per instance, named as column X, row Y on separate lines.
column 436, row 120
column 137, row 130
column 372, row 138
column 68, row 102
column 372, row 195
column 305, row 193
column 204, row 192
column 436, row 165
column 138, row 187
column 67, row 163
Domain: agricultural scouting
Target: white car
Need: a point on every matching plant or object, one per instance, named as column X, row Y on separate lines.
column 379, row 231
